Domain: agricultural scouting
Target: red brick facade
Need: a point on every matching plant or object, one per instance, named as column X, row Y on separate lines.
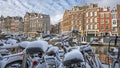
column 118, row 18
column 104, row 19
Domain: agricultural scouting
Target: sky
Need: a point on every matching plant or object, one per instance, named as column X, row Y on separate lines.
column 54, row 8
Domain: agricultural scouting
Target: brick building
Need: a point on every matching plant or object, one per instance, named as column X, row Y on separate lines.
column 83, row 18
column 118, row 19
column 105, row 21
column 89, row 20
column 55, row 29
column 16, row 25
column 52, row 29
column 65, row 24
column 58, row 27
column 10, row 24
column 73, row 19
column 34, row 22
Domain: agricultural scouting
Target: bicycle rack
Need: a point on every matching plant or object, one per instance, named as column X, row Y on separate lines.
column 118, row 56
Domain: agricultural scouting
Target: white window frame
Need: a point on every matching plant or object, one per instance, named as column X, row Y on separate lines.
column 95, row 13
column 91, row 20
column 113, row 16
column 101, row 15
column 102, row 27
column 95, row 19
column 102, row 21
column 80, row 27
column 86, row 14
column 87, row 27
column 114, row 22
column 107, row 15
column 95, row 26
column 91, row 27
column 114, row 29
column 106, row 21
column 86, row 20
column 91, row 13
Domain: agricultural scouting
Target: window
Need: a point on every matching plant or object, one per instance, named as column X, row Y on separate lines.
column 33, row 24
column 101, row 15
column 107, row 21
column 91, row 13
column 102, row 28
column 95, row 19
column 71, row 22
column 90, row 26
column 102, row 21
column 95, row 13
column 114, row 22
column 113, row 16
column 87, row 27
column 80, row 27
column 95, row 26
column 114, row 29
column 79, row 21
column 91, row 20
column 107, row 15
column 107, row 27
column 86, row 14
column 86, row 20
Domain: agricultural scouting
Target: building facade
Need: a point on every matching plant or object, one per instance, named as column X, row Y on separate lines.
column 56, row 28
column 7, row 24
column 114, row 21
column 52, row 29
column 16, row 25
column 105, row 21
column 34, row 22
column 10, row 25
column 65, row 24
column 73, row 19
column 1, row 23
column 89, row 20
column 118, row 19
column 83, row 18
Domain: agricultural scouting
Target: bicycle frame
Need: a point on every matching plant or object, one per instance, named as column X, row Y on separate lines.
column 118, row 56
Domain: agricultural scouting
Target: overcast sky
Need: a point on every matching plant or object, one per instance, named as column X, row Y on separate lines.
column 55, row 8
